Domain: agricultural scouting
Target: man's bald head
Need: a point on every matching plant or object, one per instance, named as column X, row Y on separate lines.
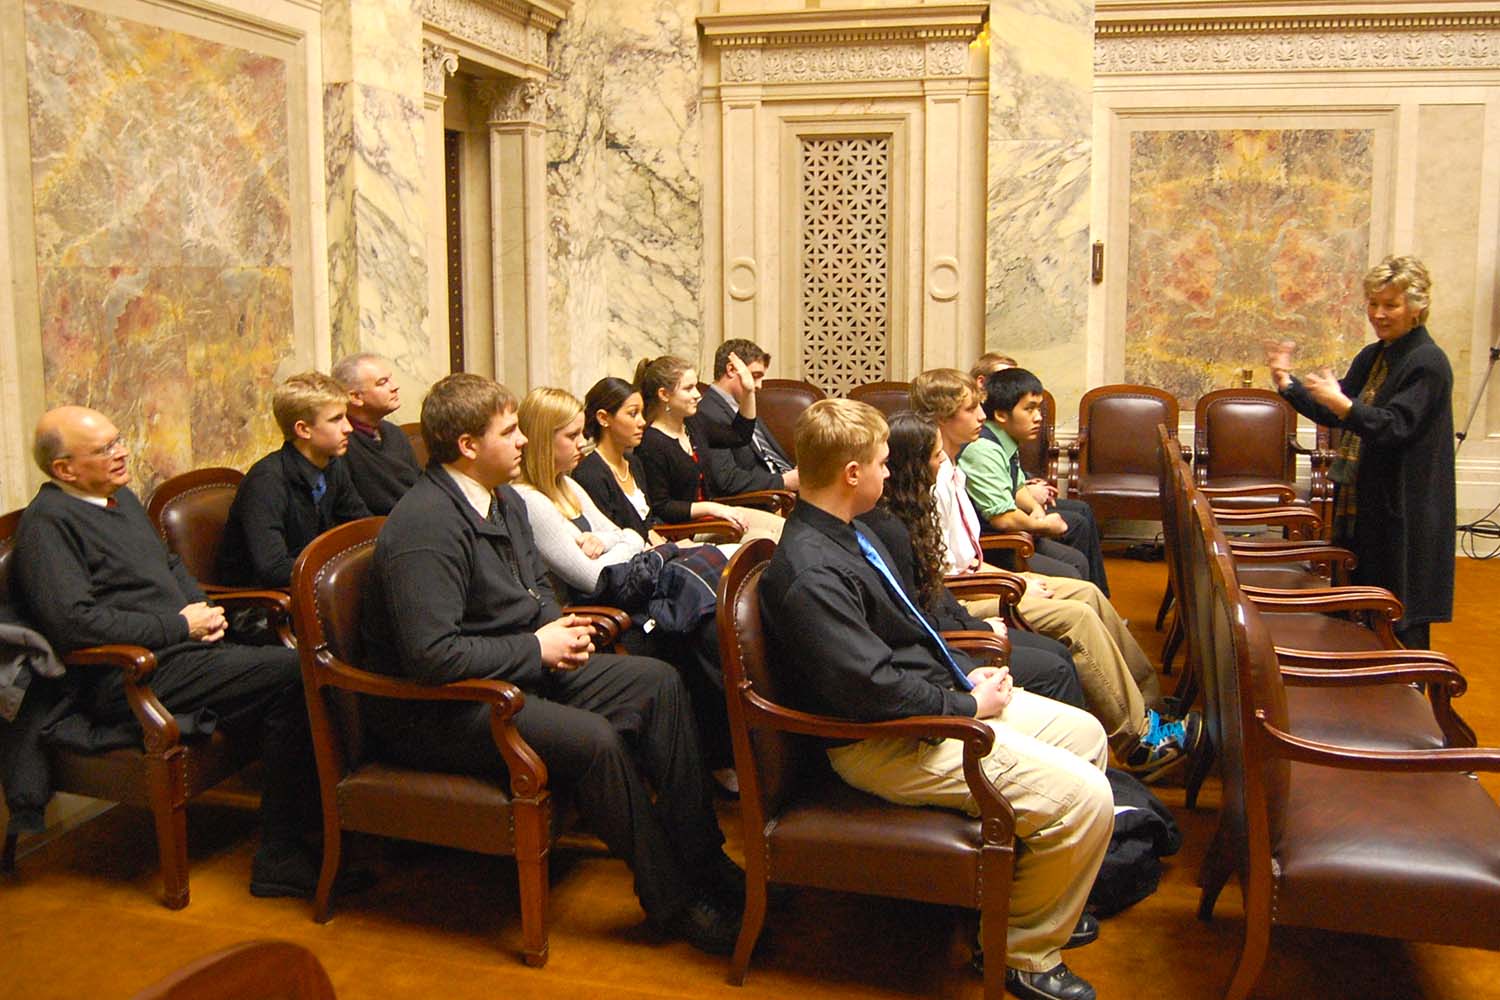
column 81, row 447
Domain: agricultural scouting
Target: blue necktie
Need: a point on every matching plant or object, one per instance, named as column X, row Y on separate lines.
column 894, row 586
column 319, row 488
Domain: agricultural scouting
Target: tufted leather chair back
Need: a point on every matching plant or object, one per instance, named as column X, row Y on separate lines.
column 780, row 402
column 1244, row 432
column 889, row 398
column 190, row 512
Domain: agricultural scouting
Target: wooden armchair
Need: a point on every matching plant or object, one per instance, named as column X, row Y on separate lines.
column 715, row 528
column 512, row 814
column 255, row 970
column 1378, row 699
column 1245, row 439
column 1112, row 462
column 1325, row 833
column 804, row 826
column 780, row 402
column 190, row 512
column 889, row 398
column 165, row 771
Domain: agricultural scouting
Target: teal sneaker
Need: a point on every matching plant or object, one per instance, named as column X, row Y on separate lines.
column 1167, row 743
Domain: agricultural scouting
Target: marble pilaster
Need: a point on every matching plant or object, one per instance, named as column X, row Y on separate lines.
column 377, row 226
column 1040, row 152
column 625, row 233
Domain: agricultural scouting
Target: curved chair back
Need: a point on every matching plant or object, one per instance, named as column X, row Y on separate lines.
column 1114, row 460
column 889, row 398
column 190, row 512
column 255, row 970
column 413, row 433
column 1244, row 433
column 780, row 402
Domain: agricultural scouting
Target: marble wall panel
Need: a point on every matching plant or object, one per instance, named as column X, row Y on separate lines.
column 1239, row 235
column 1037, row 221
column 161, row 195
column 625, row 231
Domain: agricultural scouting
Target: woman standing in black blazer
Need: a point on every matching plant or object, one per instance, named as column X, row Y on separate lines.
column 674, row 448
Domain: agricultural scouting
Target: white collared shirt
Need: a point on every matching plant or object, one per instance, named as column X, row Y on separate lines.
column 74, row 491
column 473, row 490
column 956, row 515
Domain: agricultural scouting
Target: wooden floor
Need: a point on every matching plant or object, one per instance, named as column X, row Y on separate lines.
column 81, row 919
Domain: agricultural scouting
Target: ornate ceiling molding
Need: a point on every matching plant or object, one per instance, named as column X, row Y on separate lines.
column 1277, row 42
column 889, row 43
column 512, row 28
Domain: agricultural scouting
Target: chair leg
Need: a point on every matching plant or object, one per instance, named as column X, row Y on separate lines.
column 1198, row 769
column 333, row 850
column 8, row 858
column 533, row 821
column 751, row 924
column 1172, row 644
column 1212, row 876
column 1252, row 959
column 165, row 782
column 1166, row 605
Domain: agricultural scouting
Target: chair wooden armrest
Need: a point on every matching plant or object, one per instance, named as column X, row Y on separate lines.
column 998, row 820
column 1339, row 562
column 1019, row 542
column 608, row 623
column 1456, row 759
column 1008, row 586
column 778, row 502
column 987, row 646
column 1331, row 599
column 158, row 727
column 1284, row 494
column 136, row 662
column 1299, row 522
column 714, row 527
column 1393, row 658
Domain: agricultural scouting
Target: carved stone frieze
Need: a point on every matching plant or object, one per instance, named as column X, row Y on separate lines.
column 513, row 29
column 513, row 101
column 438, row 64
column 948, row 57
column 1224, row 45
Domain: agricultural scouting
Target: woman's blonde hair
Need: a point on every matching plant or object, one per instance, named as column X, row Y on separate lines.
column 543, row 413
column 1407, row 275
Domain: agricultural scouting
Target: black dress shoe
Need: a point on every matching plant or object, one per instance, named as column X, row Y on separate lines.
column 1057, row 983
column 705, row 926
column 290, row 871
column 1086, row 931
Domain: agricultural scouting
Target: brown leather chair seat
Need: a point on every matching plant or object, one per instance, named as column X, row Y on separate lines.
column 1132, row 486
column 1282, row 576
column 1311, row 630
column 1412, row 856
column 834, row 833
column 1378, row 717
column 453, row 810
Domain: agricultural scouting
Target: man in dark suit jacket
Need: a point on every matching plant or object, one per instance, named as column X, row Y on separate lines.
column 760, row 465
column 465, row 595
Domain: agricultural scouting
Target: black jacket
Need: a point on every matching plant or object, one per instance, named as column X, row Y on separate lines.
column 673, row 479
column 1407, row 506
column 382, row 470
column 856, row 653
column 738, row 469
column 274, row 517
column 594, row 475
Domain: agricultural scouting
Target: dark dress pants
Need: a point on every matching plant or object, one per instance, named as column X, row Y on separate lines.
column 609, row 732
column 244, row 687
column 1083, row 535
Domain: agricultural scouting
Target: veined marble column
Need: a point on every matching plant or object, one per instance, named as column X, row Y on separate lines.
column 438, row 63
column 518, row 210
column 377, row 238
column 1040, row 151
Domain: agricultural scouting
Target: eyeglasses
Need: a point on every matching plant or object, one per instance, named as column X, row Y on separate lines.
column 113, row 448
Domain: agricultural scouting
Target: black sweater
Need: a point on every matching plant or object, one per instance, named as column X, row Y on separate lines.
column 273, row 516
column 382, row 470
column 87, row 575
column 451, row 605
column 594, row 475
column 675, row 479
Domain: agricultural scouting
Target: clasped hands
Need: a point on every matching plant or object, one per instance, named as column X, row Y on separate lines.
column 566, row 642
column 206, row 622
column 993, row 689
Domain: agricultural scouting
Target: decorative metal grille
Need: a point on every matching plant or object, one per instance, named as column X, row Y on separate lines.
column 845, row 265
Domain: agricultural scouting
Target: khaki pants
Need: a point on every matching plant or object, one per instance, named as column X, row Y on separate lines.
column 1118, row 680
column 1048, row 763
